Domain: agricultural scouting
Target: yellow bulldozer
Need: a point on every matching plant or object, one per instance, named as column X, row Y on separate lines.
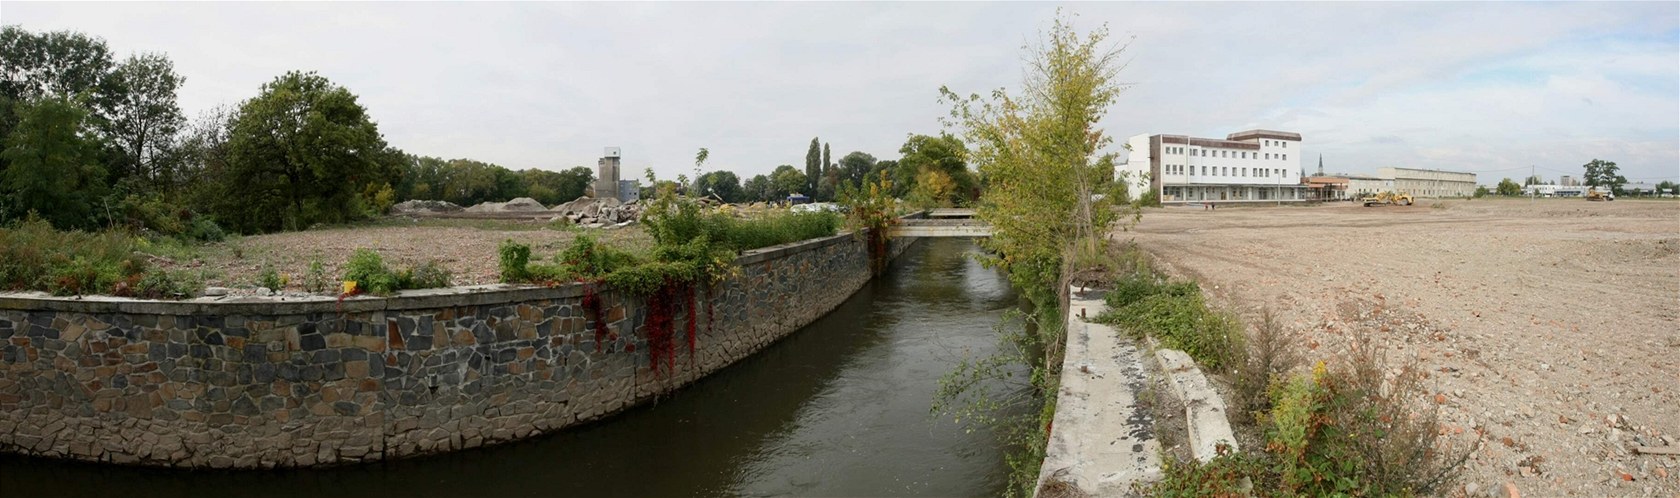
column 1593, row 194
column 1387, row 198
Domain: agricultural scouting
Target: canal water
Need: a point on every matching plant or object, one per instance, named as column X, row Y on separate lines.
column 839, row 408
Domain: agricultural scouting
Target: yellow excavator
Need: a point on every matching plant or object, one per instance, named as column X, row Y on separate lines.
column 1593, row 194
column 1387, row 198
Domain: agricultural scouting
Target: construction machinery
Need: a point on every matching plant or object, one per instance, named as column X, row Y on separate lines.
column 1387, row 198
column 1593, row 194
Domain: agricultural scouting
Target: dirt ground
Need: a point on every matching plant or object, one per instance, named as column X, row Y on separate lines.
column 466, row 247
column 1551, row 328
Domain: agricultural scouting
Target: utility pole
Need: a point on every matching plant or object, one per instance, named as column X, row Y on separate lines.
column 1534, row 189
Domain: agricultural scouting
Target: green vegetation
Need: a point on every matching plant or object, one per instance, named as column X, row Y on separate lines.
column 367, row 269
column 34, row 256
column 1344, row 430
column 1603, row 174
column 1175, row 314
column 1508, row 188
column 1042, row 160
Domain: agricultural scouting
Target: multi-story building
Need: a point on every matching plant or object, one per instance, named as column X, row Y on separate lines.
column 1254, row 165
column 1360, row 186
column 1430, row 182
column 606, row 177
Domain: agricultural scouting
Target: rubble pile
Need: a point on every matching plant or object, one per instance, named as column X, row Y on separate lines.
column 519, row 205
column 592, row 212
column 424, row 207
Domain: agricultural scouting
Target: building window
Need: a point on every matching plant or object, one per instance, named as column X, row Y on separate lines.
column 1286, row 157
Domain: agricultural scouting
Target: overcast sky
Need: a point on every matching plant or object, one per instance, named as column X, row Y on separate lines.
column 1486, row 87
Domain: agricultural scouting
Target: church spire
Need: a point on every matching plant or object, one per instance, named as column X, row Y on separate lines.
column 1321, row 165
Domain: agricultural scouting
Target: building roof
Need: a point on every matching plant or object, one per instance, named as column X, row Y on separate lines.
column 1208, row 142
column 1257, row 133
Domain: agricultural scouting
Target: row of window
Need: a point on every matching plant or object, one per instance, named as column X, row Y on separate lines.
column 1225, row 153
column 1179, row 169
column 1278, row 143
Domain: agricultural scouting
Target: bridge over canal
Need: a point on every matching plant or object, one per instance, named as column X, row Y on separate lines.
column 944, row 222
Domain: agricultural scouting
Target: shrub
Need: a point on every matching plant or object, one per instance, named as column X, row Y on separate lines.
column 203, row 229
column 513, row 261
column 34, row 256
column 270, row 278
column 369, row 272
column 316, row 279
column 1271, row 354
column 1175, row 313
column 169, row 285
column 428, row 275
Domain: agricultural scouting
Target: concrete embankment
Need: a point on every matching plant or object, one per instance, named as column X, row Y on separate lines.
column 257, row 383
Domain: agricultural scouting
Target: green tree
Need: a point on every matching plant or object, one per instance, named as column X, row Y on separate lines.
column 946, row 154
column 813, row 167
column 146, row 119
column 1534, row 180
column 1043, row 160
column 1604, row 174
column 1481, row 191
column 757, row 189
column 53, row 166
column 1665, row 188
column 302, row 150
column 855, row 168
column 1508, row 188
column 58, row 63
column 786, row 180
column 723, row 184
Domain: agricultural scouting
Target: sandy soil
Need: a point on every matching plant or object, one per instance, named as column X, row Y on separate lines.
column 1551, row 328
column 466, row 247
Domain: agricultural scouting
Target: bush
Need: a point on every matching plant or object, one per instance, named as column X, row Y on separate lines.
column 270, row 278
column 169, row 285
column 34, row 256
column 316, row 279
column 1175, row 313
column 369, row 272
column 1270, row 355
column 203, row 229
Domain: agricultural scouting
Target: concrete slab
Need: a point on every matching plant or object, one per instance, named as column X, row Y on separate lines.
column 1204, row 410
column 1101, row 441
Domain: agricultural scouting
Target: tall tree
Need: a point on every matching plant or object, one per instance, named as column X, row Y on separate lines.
column 53, row 166
column 304, row 149
column 757, row 189
column 1043, row 159
column 1601, row 173
column 66, row 64
column 786, row 180
column 146, row 119
column 855, row 167
column 813, row 167
column 945, row 154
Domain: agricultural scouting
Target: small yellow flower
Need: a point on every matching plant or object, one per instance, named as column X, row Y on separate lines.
column 349, row 286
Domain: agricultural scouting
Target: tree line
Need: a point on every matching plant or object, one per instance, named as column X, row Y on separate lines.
column 92, row 142
column 88, row 141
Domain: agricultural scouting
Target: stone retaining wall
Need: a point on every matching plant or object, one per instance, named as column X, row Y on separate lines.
column 259, row 383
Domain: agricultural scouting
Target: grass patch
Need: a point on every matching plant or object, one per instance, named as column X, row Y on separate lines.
column 34, row 256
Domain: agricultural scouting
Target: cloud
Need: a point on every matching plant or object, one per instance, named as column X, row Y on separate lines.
column 1479, row 87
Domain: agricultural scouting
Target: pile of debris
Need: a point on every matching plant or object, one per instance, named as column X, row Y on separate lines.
column 593, row 213
column 519, row 205
column 425, row 207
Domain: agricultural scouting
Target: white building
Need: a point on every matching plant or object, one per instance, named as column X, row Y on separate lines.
column 1430, row 182
column 1254, row 165
column 1360, row 186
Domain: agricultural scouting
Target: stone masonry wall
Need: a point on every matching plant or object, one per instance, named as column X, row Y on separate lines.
column 262, row 383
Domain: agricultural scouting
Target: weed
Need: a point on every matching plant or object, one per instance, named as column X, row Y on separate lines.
column 316, row 280
column 270, row 278
column 1271, row 354
column 1174, row 313
column 368, row 271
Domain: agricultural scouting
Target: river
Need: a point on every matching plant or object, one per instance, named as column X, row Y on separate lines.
column 839, row 408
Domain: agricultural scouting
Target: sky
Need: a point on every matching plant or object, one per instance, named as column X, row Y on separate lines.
column 1491, row 88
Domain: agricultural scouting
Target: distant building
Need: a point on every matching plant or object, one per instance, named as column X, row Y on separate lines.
column 1568, row 181
column 1360, row 186
column 1254, row 165
column 1430, row 182
column 629, row 190
column 606, row 177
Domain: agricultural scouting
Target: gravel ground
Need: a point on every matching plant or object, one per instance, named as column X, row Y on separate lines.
column 466, row 247
column 1551, row 328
